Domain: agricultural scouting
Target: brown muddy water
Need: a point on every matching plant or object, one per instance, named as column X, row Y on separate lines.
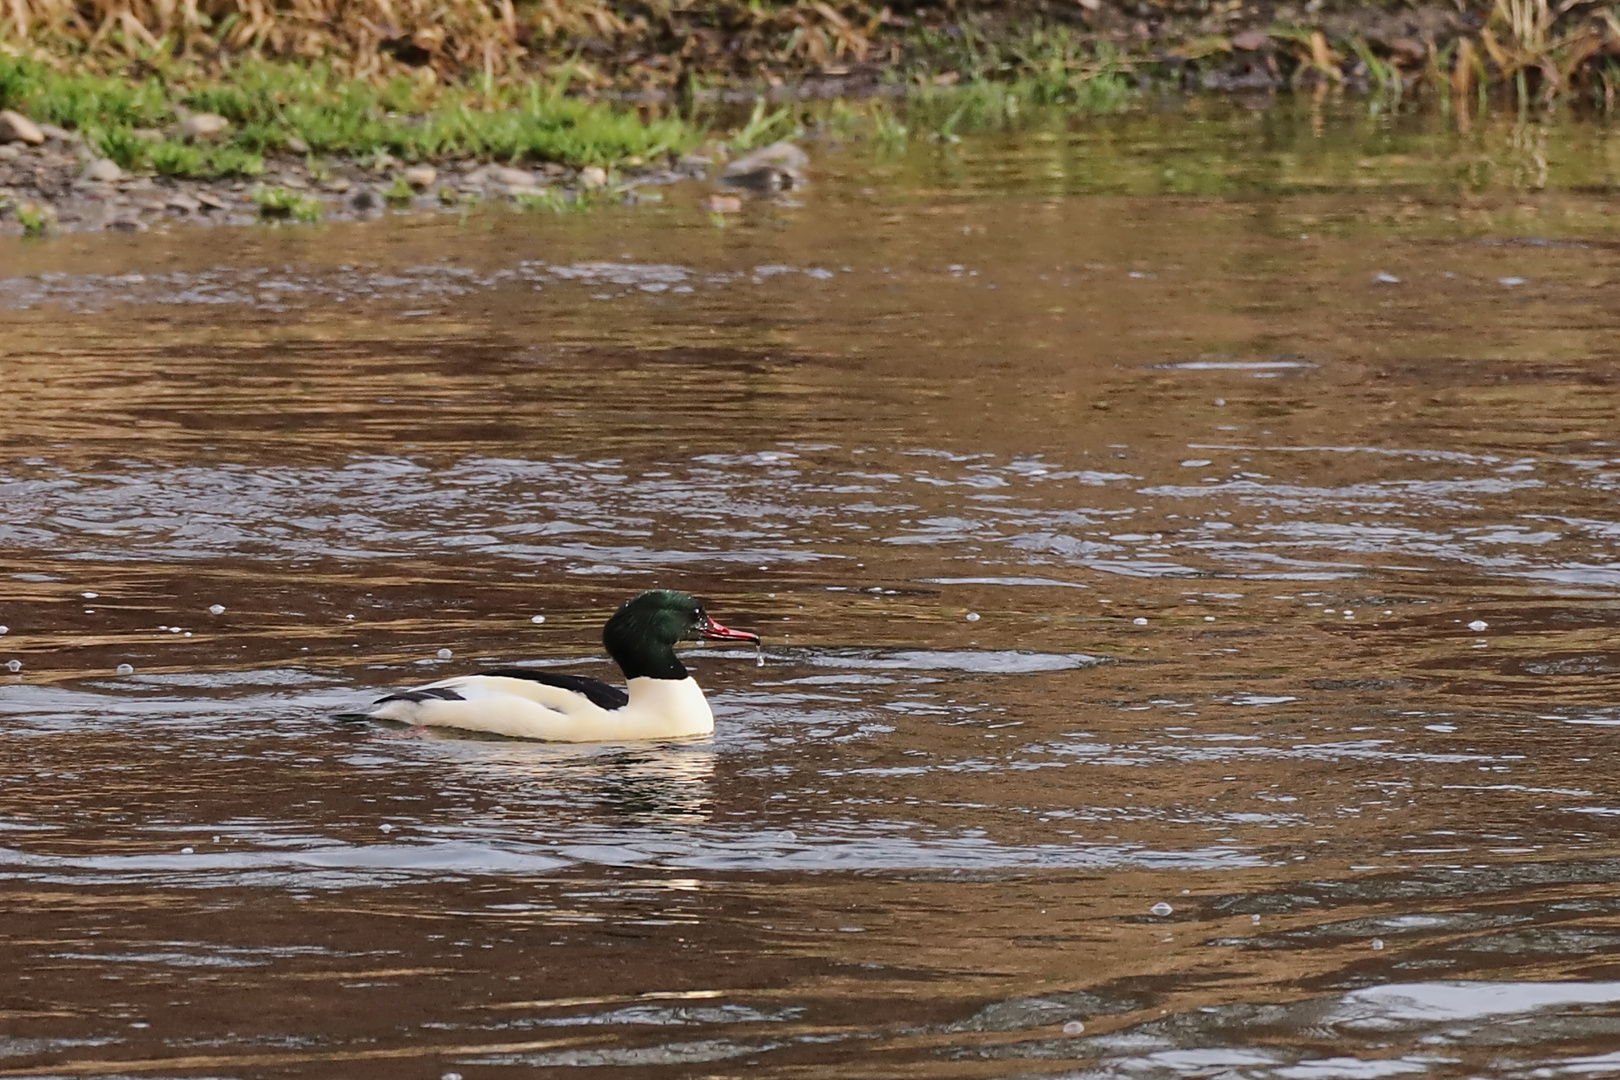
column 1187, row 550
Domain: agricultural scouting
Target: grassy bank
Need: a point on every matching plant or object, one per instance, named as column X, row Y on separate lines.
column 313, row 109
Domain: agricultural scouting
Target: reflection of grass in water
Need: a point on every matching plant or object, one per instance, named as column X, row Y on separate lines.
column 1301, row 149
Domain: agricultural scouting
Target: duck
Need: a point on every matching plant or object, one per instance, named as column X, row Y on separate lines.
column 660, row 700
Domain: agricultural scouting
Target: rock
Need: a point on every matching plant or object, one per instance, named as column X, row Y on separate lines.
column 1251, row 40
column 203, row 125
column 15, row 127
column 1410, row 50
column 337, row 184
column 56, row 134
column 103, row 170
column 127, row 222
column 503, row 174
column 723, row 204
column 780, row 165
column 10, row 152
column 365, row 200
column 147, row 134
column 297, row 145
column 184, row 203
column 593, row 177
column 209, row 201
column 420, row 177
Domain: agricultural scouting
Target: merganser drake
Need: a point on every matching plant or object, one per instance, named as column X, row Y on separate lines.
column 663, row 701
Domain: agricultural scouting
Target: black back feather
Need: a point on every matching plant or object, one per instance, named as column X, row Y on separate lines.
column 596, row 691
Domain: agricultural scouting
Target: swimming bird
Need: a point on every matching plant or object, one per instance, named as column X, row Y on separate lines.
column 662, row 701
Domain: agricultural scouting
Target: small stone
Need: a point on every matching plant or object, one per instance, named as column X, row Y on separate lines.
column 1161, row 909
column 203, row 125
column 56, row 134
column 126, row 669
column 297, row 145
column 1409, row 49
column 10, row 152
column 1251, row 40
column 15, row 127
column 420, row 177
column 337, row 184
column 104, row 170
column 127, row 223
column 503, row 174
column 182, row 202
column 210, row 201
column 592, row 177
column 364, row 199
column 723, row 204
column 780, row 165
column 216, row 609
column 147, row 134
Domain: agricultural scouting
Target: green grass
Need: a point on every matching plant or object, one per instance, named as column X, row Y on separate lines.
column 35, row 220
column 273, row 107
column 282, row 203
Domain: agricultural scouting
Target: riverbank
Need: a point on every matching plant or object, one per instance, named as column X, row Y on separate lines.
column 124, row 124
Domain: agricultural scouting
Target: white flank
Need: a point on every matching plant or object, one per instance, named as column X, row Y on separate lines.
column 523, row 709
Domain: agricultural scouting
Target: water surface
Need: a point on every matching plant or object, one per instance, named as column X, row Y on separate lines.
column 1186, row 551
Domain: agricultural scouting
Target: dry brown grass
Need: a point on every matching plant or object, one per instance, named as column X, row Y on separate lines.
column 455, row 37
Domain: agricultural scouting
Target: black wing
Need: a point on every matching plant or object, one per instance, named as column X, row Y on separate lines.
column 596, row 691
column 438, row 693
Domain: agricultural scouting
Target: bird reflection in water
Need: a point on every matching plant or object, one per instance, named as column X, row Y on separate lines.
column 667, row 781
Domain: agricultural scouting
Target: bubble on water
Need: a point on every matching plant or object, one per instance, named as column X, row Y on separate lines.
column 1255, row 919
column 5, row 629
column 386, row 828
column 188, row 851
column 1196, row 463
column 537, row 619
column 1385, row 278
column 445, row 654
column 1161, row 909
column 1510, row 281
column 14, row 665
column 973, row 616
column 174, row 629
column 1209, row 618
column 759, row 654
column 1074, row 1027
column 1139, row 621
column 126, row 669
column 188, row 633
column 348, row 616
column 1479, row 626
column 1377, row 943
column 451, row 1076
column 216, row 609
column 89, row 595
